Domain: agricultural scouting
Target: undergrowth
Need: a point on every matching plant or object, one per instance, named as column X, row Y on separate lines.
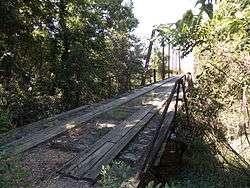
column 115, row 174
column 5, row 121
column 208, row 161
column 204, row 168
column 12, row 175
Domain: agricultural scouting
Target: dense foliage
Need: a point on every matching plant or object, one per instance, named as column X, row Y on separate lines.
column 219, row 40
column 58, row 54
column 223, row 70
column 222, row 51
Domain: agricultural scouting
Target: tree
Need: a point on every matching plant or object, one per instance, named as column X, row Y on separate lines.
column 221, row 49
column 57, row 55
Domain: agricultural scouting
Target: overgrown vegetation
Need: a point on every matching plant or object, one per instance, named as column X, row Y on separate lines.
column 115, row 174
column 218, row 103
column 206, row 162
column 5, row 121
column 57, row 55
column 11, row 173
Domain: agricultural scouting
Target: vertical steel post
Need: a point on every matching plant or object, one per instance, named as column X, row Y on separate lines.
column 179, row 62
column 185, row 101
column 169, row 59
column 163, row 60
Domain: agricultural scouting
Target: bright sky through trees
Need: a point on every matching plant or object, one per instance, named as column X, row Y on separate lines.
column 153, row 12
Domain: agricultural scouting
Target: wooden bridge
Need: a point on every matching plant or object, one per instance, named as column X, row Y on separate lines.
column 69, row 149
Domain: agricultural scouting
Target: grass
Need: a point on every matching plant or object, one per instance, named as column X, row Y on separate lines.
column 203, row 169
column 115, row 174
column 207, row 163
column 11, row 173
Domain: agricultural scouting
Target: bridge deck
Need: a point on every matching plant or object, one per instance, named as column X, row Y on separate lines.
column 106, row 149
column 76, row 144
column 52, row 127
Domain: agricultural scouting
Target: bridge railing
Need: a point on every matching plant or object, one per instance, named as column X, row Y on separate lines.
column 166, row 126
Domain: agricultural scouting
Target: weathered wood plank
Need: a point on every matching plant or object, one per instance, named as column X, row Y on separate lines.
column 39, row 137
column 163, row 133
column 94, row 172
column 43, row 123
column 120, row 136
column 91, row 160
column 113, row 136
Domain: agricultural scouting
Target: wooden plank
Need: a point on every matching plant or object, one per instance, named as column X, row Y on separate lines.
column 136, row 178
column 165, row 129
column 73, row 163
column 44, row 135
column 94, row 172
column 120, row 136
column 163, row 133
column 127, row 125
column 39, row 137
column 113, row 135
column 91, row 160
column 53, row 120
column 47, row 122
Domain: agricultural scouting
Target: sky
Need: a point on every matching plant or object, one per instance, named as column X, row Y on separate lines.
column 154, row 12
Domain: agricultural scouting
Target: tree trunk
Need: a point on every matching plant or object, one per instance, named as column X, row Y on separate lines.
column 143, row 82
column 65, row 72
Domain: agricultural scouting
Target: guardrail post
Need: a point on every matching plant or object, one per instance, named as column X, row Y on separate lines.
column 154, row 146
column 177, row 99
column 185, row 100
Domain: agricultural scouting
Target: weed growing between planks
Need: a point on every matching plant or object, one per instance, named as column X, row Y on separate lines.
column 115, row 174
